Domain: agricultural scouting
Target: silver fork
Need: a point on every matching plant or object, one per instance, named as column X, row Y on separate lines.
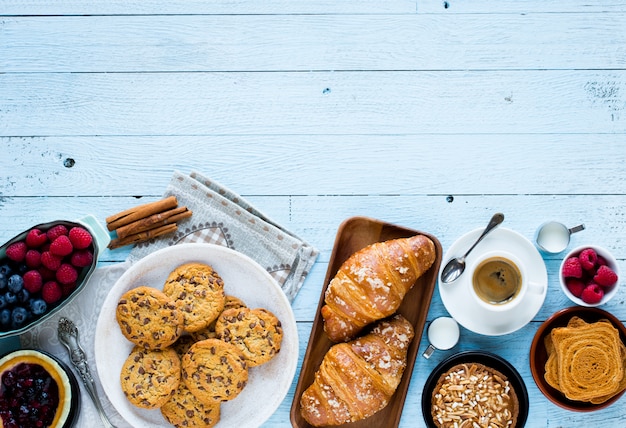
column 68, row 336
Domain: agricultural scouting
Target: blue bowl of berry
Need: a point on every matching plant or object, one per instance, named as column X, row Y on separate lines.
column 37, row 389
column 43, row 268
column 589, row 275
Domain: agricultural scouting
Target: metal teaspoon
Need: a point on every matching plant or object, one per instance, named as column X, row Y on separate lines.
column 68, row 336
column 456, row 266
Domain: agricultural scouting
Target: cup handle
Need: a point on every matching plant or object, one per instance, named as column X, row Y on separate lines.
column 429, row 351
column 536, row 288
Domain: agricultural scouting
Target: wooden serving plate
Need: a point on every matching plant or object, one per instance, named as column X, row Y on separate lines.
column 354, row 234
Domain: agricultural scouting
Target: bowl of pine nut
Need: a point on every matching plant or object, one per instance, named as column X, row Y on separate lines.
column 475, row 388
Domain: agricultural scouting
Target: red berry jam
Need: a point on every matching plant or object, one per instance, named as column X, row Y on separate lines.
column 29, row 397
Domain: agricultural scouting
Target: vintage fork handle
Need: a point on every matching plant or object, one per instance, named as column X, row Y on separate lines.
column 79, row 360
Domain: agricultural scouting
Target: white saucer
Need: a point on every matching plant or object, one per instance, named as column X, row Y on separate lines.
column 459, row 301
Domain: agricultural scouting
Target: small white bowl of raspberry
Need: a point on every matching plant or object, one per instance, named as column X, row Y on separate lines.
column 589, row 275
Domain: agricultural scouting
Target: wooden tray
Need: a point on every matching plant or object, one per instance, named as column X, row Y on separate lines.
column 354, row 234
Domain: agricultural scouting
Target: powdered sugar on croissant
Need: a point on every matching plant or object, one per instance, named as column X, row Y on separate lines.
column 358, row 378
column 371, row 284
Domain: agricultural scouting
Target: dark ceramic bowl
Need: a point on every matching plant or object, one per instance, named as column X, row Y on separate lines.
column 69, row 407
column 539, row 356
column 100, row 241
column 488, row 359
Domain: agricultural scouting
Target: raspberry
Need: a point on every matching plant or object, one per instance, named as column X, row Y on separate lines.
column 605, row 276
column 588, row 258
column 80, row 237
column 68, row 288
column 601, row 261
column 16, row 251
column 32, row 281
column 51, row 292
column 46, row 274
column 82, row 258
column 575, row 286
column 56, row 231
column 36, row 238
column 61, row 246
column 33, row 258
column 572, row 268
column 50, row 261
column 66, row 274
column 592, row 294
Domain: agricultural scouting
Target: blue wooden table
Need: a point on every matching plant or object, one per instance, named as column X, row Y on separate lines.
column 431, row 115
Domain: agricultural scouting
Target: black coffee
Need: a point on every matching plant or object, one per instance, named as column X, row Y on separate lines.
column 497, row 280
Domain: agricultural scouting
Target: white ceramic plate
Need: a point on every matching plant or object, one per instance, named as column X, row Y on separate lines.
column 244, row 278
column 460, row 303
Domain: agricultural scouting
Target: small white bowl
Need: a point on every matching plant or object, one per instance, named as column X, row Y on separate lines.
column 610, row 261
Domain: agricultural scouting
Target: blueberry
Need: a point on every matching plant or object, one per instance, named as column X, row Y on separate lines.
column 10, row 297
column 5, row 317
column 4, row 280
column 3, row 301
column 23, row 295
column 38, row 306
column 6, row 270
column 18, row 316
column 15, row 283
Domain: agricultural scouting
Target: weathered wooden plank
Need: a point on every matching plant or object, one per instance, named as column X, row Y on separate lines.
column 548, row 102
column 149, row 7
column 446, row 164
column 312, row 42
column 213, row 7
column 317, row 218
column 517, row 6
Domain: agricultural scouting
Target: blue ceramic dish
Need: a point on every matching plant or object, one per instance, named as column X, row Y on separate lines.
column 100, row 241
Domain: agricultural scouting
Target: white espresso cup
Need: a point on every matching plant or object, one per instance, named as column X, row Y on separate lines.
column 500, row 281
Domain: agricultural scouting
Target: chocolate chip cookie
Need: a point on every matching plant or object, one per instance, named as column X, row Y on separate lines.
column 150, row 377
column 208, row 332
column 149, row 318
column 184, row 410
column 257, row 333
column 214, row 371
column 198, row 292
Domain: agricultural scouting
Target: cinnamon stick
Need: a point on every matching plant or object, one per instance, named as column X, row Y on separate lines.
column 142, row 236
column 133, row 214
column 153, row 221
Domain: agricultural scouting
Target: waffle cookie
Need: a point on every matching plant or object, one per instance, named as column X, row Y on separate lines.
column 586, row 361
column 198, row 292
column 149, row 318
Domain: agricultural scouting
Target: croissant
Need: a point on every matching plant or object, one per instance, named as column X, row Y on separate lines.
column 357, row 379
column 372, row 282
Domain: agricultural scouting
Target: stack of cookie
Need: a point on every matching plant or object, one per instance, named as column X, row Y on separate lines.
column 193, row 344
